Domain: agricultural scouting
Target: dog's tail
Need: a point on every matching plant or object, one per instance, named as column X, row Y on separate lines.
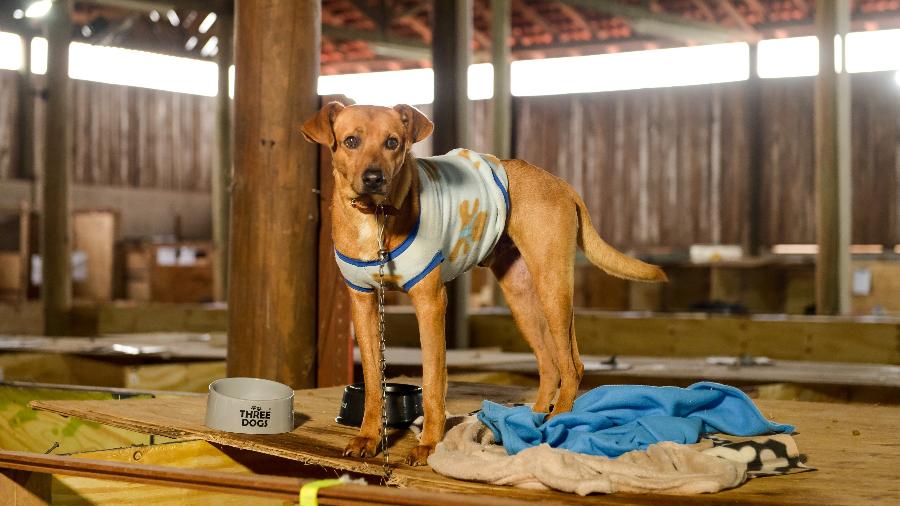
column 608, row 258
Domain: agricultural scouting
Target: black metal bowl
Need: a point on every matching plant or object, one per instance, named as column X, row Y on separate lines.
column 404, row 405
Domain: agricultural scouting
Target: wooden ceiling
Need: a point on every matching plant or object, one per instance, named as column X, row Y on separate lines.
column 373, row 35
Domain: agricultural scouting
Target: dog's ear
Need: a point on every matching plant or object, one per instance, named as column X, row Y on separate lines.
column 320, row 128
column 416, row 124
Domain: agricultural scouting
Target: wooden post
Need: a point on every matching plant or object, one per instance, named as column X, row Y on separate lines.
column 56, row 240
column 832, row 163
column 274, row 225
column 451, row 54
column 26, row 113
column 500, row 56
column 755, row 150
column 221, row 181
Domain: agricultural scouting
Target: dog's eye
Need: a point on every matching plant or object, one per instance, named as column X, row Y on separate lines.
column 392, row 143
column 352, row 142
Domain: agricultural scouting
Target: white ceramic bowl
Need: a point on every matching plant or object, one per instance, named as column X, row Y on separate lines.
column 250, row 406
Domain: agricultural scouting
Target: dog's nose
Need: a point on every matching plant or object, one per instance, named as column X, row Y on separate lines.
column 373, row 179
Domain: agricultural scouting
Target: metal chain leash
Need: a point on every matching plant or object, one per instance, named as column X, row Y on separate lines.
column 380, row 220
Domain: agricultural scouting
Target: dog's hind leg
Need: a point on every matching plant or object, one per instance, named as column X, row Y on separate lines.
column 550, row 258
column 518, row 288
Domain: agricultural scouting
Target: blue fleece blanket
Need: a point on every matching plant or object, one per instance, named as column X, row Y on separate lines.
column 612, row 420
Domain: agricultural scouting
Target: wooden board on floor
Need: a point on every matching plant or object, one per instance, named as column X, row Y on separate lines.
column 827, row 339
column 784, row 371
column 24, row 429
column 853, row 446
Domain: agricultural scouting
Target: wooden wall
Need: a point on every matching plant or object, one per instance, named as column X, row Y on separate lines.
column 123, row 136
column 668, row 167
column 9, row 111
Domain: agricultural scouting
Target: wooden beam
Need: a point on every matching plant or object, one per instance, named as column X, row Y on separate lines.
column 217, row 6
column 736, row 16
column 452, row 54
column 703, row 7
column 501, row 21
column 664, row 25
column 56, row 233
column 755, row 152
column 274, row 226
column 284, row 488
column 534, row 17
column 832, row 128
column 382, row 44
column 26, row 114
column 221, row 178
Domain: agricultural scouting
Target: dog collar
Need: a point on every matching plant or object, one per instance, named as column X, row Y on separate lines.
column 370, row 209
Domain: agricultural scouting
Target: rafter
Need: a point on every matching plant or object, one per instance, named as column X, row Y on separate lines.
column 382, row 44
column 664, row 25
column 533, row 17
column 417, row 26
column 736, row 16
column 163, row 5
column 703, row 7
column 380, row 17
column 758, row 7
column 576, row 17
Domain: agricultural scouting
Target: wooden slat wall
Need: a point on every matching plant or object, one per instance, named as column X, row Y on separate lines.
column 123, row 136
column 9, row 107
column 657, row 167
column 144, row 138
column 668, row 167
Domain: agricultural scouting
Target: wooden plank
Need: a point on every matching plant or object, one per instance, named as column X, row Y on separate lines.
column 451, row 54
column 884, row 296
column 24, row 488
column 77, row 490
column 95, row 233
column 667, row 368
column 832, row 120
column 851, row 445
column 274, row 487
column 37, row 431
column 56, row 286
column 786, row 337
column 272, row 280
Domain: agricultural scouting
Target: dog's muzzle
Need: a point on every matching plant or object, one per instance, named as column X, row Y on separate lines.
column 373, row 180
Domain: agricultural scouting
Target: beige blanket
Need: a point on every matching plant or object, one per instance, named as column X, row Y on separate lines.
column 468, row 453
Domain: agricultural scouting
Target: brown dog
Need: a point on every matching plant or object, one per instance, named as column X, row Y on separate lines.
column 372, row 165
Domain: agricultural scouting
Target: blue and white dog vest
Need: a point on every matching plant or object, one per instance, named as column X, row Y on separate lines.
column 463, row 208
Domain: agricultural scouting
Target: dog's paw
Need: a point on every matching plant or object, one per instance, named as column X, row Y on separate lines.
column 418, row 456
column 361, row 446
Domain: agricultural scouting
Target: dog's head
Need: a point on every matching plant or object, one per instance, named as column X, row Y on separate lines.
column 369, row 144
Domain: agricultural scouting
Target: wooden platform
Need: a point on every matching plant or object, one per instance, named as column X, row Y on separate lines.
column 854, row 447
column 160, row 361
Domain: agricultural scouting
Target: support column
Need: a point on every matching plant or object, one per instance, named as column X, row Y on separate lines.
column 221, row 181
column 274, row 220
column 451, row 50
column 832, row 123
column 755, row 150
column 56, row 240
column 500, row 57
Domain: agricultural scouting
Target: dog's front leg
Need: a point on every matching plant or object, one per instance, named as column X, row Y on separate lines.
column 364, row 311
column 429, row 297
